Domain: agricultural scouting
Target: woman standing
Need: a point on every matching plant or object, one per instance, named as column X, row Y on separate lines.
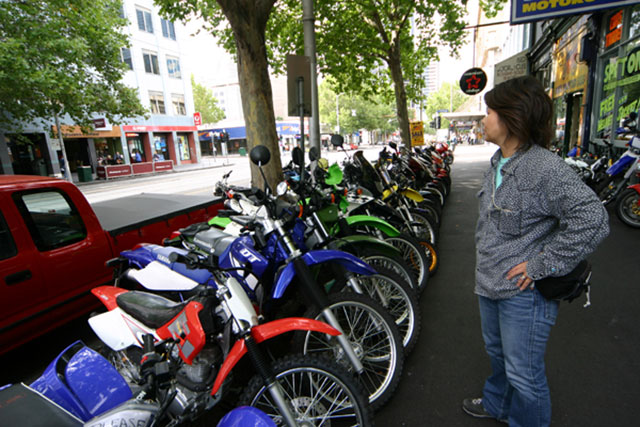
column 537, row 219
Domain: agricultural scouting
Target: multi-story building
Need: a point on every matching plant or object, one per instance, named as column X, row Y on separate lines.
column 158, row 70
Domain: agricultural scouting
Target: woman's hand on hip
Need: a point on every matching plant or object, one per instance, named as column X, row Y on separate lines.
column 520, row 272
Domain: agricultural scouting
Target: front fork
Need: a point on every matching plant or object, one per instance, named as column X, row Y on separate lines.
column 268, row 377
column 321, row 300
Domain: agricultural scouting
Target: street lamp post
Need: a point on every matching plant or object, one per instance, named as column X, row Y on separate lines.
column 338, row 114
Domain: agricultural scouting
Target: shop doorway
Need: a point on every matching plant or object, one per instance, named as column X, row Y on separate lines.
column 136, row 149
column 77, row 150
column 160, row 148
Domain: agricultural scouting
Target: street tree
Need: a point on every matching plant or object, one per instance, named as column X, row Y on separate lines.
column 63, row 58
column 205, row 103
column 241, row 27
column 354, row 111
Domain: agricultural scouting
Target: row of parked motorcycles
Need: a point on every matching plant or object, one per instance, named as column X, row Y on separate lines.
column 317, row 282
column 615, row 181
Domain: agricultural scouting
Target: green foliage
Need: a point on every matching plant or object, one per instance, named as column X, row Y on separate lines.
column 492, row 7
column 444, row 99
column 63, row 57
column 206, row 103
column 356, row 112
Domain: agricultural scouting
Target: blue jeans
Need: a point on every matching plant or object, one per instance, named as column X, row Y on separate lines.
column 515, row 332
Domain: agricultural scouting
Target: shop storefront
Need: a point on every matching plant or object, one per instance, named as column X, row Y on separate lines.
column 90, row 149
column 570, row 77
column 617, row 89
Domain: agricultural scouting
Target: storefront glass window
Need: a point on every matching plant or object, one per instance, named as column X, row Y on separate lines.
column 160, row 148
column 183, row 146
column 606, row 106
column 629, row 97
column 618, row 74
column 634, row 23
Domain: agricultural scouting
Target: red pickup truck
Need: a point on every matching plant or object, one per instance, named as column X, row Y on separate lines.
column 54, row 244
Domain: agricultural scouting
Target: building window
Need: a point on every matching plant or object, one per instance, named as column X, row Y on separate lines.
column 168, row 29
column 178, row 105
column 144, row 21
column 125, row 56
column 151, row 62
column 156, row 99
column 173, row 67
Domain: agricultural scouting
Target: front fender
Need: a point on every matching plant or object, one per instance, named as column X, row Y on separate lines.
column 373, row 221
column 635, row 187
column 412, row 194
column 357, row 241
column 264, row 332
column 348, row 261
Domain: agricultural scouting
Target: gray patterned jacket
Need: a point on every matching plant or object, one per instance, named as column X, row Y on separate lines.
column 541, row 213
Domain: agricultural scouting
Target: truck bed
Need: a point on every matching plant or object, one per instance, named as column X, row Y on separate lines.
column 125, row 214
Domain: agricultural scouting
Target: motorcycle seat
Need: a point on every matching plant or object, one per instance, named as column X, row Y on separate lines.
column 194, row 229
column 152, row 310
column 213, row 241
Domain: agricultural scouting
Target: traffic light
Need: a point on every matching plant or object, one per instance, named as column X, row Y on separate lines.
column 438, row 122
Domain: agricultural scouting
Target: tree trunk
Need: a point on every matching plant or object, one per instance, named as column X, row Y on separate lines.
column 248, row 21
column 395, row 67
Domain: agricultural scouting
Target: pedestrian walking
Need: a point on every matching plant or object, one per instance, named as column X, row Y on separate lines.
column 536, row 219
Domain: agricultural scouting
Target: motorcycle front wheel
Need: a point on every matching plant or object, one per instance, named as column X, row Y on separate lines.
column 374, row 337
column 318, row 391
column 399, row 299
column 628, row 208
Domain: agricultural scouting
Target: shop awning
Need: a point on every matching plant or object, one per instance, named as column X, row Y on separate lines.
column 464, row 116
column 238, row 132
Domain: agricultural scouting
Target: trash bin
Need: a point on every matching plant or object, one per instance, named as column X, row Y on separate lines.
column 84, row 174
column 242, row 151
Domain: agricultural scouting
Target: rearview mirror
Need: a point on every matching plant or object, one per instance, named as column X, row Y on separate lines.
column 314, row 154
column 393, row 145
column 260, row 155
column 337, row 140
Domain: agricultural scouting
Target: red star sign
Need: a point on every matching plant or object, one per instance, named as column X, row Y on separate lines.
column 473, row 82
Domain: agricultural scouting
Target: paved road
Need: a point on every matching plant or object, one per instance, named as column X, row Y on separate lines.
column 592, row 361
column 191, row 179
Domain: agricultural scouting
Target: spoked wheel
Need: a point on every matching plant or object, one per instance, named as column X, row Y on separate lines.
column 372, row 334
column 628, row 208
column 423, row 227
column 399, row 299
column 432, row 256
column 414, row 256
column 318, row 391
column 378, row 260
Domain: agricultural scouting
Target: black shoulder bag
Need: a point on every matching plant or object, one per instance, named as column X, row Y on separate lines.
column 568, row 287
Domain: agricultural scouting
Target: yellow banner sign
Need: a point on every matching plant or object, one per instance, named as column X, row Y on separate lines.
column 417, row 133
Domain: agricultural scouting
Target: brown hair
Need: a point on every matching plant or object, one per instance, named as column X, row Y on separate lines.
column 525, row 109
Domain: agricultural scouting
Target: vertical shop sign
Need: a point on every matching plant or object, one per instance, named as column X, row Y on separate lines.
column 614, row 33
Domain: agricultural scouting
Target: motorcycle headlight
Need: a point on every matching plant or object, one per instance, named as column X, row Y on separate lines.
column 282, row 188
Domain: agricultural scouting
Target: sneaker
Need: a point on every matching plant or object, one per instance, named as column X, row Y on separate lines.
column 474, row 408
